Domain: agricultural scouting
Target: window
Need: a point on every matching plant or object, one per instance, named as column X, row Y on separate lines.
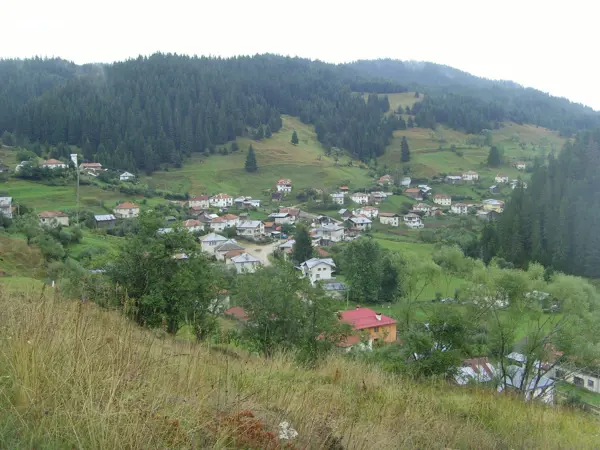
column 590, row 383
column 376, row 329
column 578, row 381
column 318, row 276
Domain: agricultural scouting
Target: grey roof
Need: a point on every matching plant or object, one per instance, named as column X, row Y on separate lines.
column 229, row 245
column 360, row 220
column 329, row 227
column 5, row 201
column 288, row 244
column 213, row 237
column 316, row 261
column 104, row 217
column 515, row 378
column 164, row 230
column 127, row 174
column 249, row 224
column 279, row 215
column 244, row 258
column 334, row 286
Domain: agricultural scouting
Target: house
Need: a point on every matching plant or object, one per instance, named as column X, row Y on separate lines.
column 415, row 193
column 330, row 232
column 392, row 219
column 127, row 210
column 126, row 176
column 335, row 289
column 53, row 164
column 287, row 247
column 521, row 165
column 231, row 219
column 424, row 188
column 493, row 205
column 454, row 179
column 318, row 269
column 436, row 211
column 251, row 229
column 210, row 242
column 470, row 176
column 442, row 199
column 228, row 249
column 245, row 263
column 585, row 378
column 412, row 220
column 54, row 218
column 105, row 220
column 490, row 216
column 4, row 168
column 344, row 189
column 535, row 389
column 293, row 212
column 515, row 183
column 193, row 225
column 385, row 180
column 92, row 168
column 378, row 196
column 405, row 183
column 218, row 224
column 281, row 218
column 284, row 185
column 494, row 189
column 501, row 178
column 460, row 208
column 200, row 201
column 221, row 201
column 345, row 213
column 360, row 197
column 368, row 211
column 237, row 313
column 423, row 208
column 360, row 223
column 277, row 196
column 373, row 324
column 478, row 370
column 6, row 207
column 251, row 203
column 337, row 198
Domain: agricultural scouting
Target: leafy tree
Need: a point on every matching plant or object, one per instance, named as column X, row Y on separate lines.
column 361, row 261
column 302, row 250
column 295, row 140
column 51, row 249
column 8, row 139
column 29, row 225
column 494, row 159
column 405, row 151
column 251, row 164
column 389, row 287
column 161, row 289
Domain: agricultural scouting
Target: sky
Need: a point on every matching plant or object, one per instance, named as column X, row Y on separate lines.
column 543, row 44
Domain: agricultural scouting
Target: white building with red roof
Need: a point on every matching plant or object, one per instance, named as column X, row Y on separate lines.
column 221, row 201
column 284, row 185
column 53, row 164
column 127, row 210
column 199, row 201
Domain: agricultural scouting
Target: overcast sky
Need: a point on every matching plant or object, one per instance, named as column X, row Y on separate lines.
column 532, row 42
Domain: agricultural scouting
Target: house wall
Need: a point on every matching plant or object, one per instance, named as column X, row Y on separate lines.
column 442, row 201
column 127, row 213
column 199, row 203
column 284, row 188
column 387, row 333
column 55, row 221
column 209, row 247
column 218, row 226
column 586, row 380
column 393, row 221
column 360, row 200
column 105, row 224
column 6, row 211
column 246, row 267
column 320, row 272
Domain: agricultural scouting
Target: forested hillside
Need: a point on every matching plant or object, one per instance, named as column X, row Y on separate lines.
column 468, row 103
column 555, row 220
column 147, row 111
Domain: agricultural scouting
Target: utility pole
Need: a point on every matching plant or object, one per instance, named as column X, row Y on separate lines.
column 74, row 159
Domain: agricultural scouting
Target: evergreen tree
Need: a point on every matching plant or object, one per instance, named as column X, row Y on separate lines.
column 494, row 159
column 234, row 147
column 417, row 94
column 251, row 164
column 405, row 155
column 259, row 134
column 302, row 250
column 295, row 138
column 410, row 123
column 268, row 132
column 407, row 109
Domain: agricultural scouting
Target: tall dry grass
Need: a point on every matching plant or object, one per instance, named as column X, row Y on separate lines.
column 75, row 376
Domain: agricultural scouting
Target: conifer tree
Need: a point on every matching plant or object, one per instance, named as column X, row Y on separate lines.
column 295, row 138
column 410, row 123
column 268, row 132
column 302, row 250
column 251, row 164
column 405, row 155
column 494, row 159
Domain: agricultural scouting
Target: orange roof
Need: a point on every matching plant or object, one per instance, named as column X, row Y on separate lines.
column 51, row 161
column 284, row 181
column 230, row 217
column 290, row 211
column 237, row 312
column 413, row 190
column 343, row 188
column 218, row 220
column 441, row 196
column 91, row 165
column 268, row 224
column 50, row 214
column 388, row 214
column 127, row 205
column 232, row 253
column 222, row 196
column 199, row 198
column 501, row 175
column 192, row 223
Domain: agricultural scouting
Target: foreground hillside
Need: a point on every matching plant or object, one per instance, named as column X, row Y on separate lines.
column 75, row 376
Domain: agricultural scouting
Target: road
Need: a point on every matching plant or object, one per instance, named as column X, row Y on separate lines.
column 261, row 251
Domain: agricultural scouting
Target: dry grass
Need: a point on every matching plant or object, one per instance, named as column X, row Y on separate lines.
column 75, row 376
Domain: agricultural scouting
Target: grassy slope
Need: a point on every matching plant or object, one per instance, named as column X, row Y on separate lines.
column 277, row 158
column 72, row 375
column 20, row 264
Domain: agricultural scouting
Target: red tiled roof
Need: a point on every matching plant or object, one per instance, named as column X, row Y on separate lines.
column 388, row 214
column 441, row 196
column 51, row 161
column 218, row 196
column 127, row 205
column 237, row 312
column 268, row 224
column 192, row 223
column 91, row 165
column 349, row 341
column 477, row 363
column 50, row 214
column 232, row 253
column 343, row 188
column 362, row 318
column 218, row 220
column 413, row 190
column 230, row 217
column 322, row 252
column 199, row 198
column 501, row 175
column 284, row 181
column 291, row 211
column 196, row 208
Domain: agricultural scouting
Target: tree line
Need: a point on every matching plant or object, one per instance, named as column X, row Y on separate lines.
column 144, row 112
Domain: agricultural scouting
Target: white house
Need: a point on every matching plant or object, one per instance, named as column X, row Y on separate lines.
column 127, row 210
column 501, row 178
column 218, row 224
column 422, row 207
column 460, row 208
column 251, row 229
column 330, row 232
column 54, row 218
column 193, row 225
column 521, row 165
column 228, row 249
column 454, row 179
column 442, row 199
column 245, row 263
column 588, row 379
column 231, row 220
column 126, row 176
column 405, row 182
column 385, row 180
column 337, row 198
column 91, row 168
column 293, row 212
column 284, row 185
column 360, row 197
column 378, row 196
column 368, row 211
column 209, row 242
column 221, row 201
column 281, row 218
column 6, row 207
column 360, row 223
column 470, row 176
column 200, row 201
column 389, row 219
column 317, row 269
column 53, row 164
column 413, row 221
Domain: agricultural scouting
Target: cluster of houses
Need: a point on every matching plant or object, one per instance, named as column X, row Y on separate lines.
column 231, row 252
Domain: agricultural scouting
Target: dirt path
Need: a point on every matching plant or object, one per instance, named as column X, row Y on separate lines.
column 261, row 251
